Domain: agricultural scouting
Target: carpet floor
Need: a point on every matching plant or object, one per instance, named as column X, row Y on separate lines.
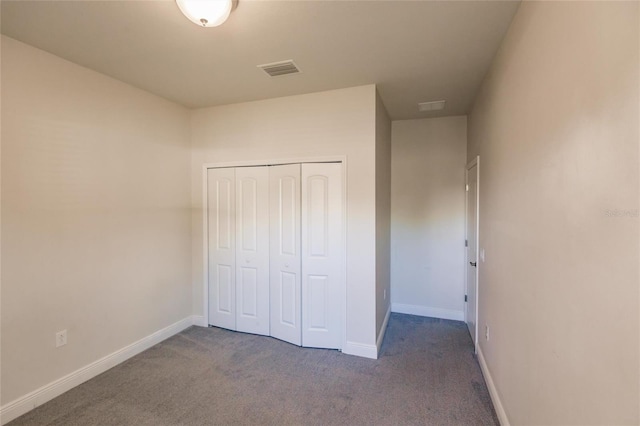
column 427, row 374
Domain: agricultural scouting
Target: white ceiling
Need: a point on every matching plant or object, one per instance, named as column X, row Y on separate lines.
column 414, row 51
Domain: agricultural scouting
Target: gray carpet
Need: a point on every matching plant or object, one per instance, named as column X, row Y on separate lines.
column 426, row 375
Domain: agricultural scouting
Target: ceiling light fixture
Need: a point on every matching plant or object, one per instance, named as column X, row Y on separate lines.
column 207, row 13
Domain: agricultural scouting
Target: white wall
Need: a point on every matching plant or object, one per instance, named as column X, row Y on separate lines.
column 556, row 127
column 339, row 122
column 383, row 215
column 95, row 216
column 427, row 216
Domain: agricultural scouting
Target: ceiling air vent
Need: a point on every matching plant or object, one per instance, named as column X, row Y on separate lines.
column 276, row 69
column 431, row 106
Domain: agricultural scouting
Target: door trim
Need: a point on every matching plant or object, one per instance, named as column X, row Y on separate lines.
column 275, row 162
column 475, row 162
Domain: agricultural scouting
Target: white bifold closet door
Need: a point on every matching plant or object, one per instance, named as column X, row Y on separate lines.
column 221, row 212
column 252, row 250
column 276, row 251
column 238, row 233
column 285, row 259
column 322, row 255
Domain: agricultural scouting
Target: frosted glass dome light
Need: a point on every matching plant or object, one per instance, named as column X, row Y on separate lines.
column 206, row 13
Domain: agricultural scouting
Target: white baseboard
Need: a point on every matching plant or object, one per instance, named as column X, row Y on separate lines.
column 199, row 320
column 368, row 351
column 497, row 403
column 427, row 311
column 383, row 329
column 47, row 392
column 360, row 349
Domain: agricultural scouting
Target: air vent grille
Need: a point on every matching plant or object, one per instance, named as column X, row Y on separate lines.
column 276, row 69
column 431, row 106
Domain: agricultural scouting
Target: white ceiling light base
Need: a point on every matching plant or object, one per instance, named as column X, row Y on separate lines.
column 206, row 13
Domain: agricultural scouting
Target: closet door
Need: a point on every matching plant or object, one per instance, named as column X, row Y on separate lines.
column 222, row 250
column 284, row 256
column 252, row 250
column 322, row 255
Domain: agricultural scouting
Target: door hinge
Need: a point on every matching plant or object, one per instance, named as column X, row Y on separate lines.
column 466, row 243
column 467, row 188
column 465, row 297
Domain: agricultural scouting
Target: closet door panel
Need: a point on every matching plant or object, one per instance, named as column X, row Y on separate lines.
column 322, row 255
column 252, row 249
column 284, row 256
column 221, row 239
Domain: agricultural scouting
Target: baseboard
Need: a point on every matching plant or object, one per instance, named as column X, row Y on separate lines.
column 360, row 349
column 383, row 329
column 495, row 398
column 426, row 311
column 199, row 320
column 46, row 393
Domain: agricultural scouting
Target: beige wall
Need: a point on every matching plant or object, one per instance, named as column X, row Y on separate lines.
column 333, row 123
column 556, row 128
column 95, row 216
column 427, row 216
column 383, row 213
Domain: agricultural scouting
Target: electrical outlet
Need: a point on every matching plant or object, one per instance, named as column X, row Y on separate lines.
column 61, row 338
column 486, row 332
column 384, row 294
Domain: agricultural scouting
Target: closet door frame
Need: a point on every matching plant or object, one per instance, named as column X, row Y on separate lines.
column 204, row 320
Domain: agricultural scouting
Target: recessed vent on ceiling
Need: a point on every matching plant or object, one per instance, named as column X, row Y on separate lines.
column 431, row 106
column 276, row 69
